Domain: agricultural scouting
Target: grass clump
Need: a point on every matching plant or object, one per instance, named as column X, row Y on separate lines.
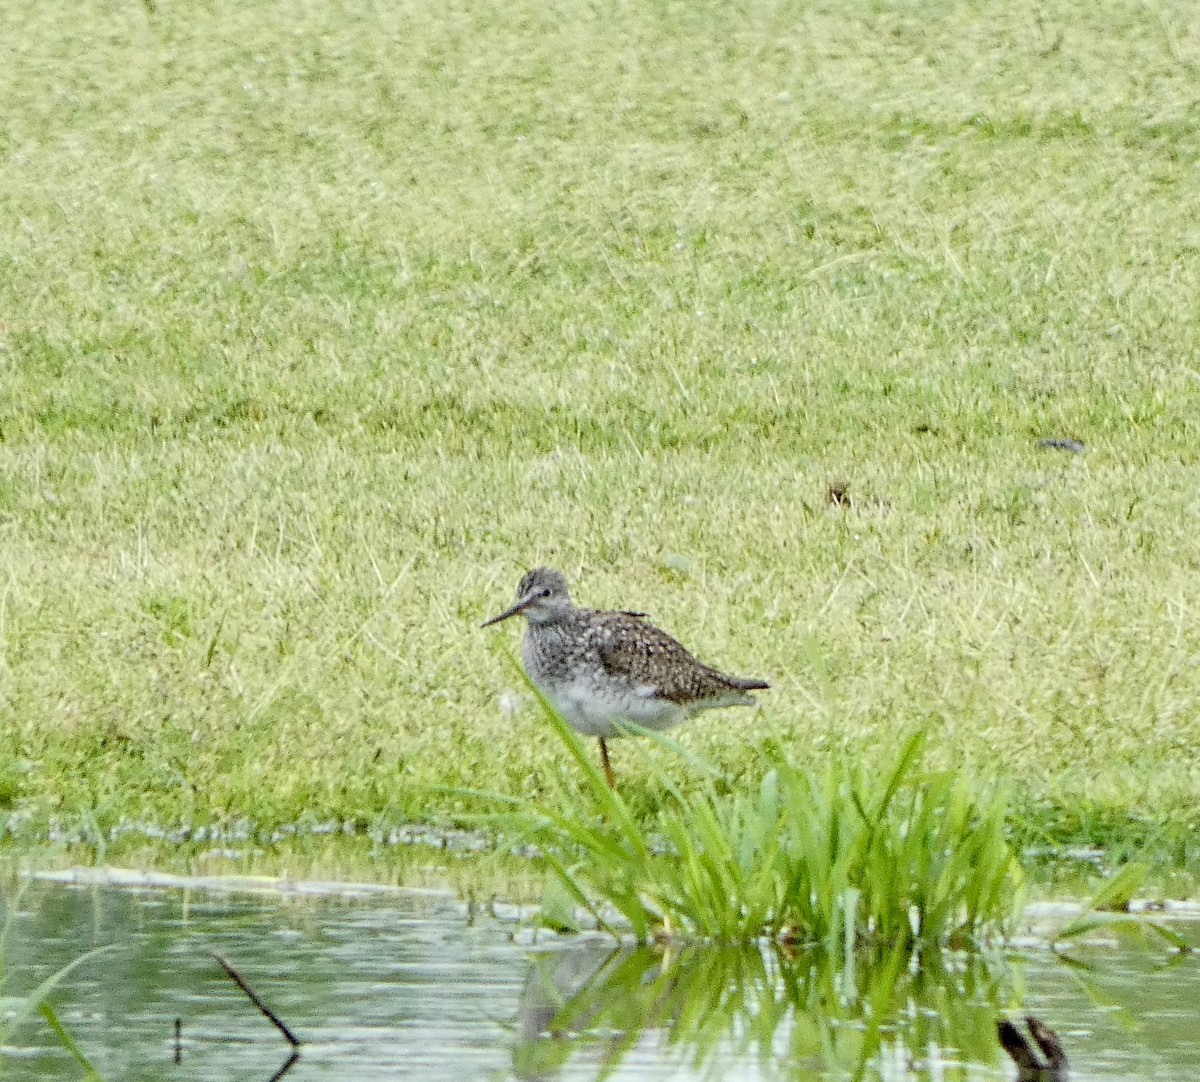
column 843, row 856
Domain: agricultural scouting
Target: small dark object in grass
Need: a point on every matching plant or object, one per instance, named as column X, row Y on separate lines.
column 1050, row 1066
column 1076, row 447
column 838, row 494
column 178, row 1040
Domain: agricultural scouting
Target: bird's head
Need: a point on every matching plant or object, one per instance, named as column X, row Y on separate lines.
column 541, row 597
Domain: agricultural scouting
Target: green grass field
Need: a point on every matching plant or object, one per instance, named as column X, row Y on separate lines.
column 320, row 323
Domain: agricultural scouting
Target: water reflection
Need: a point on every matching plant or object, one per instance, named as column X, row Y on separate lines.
column 795, row 1014
column 407, row 986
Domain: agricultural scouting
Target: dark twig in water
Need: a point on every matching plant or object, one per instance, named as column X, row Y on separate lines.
column 288, row 1064
column 267, row 1013
column 178, row 1040
column 1030, row 1066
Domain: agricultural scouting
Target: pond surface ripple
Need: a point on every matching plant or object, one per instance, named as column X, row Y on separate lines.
column 404, row 985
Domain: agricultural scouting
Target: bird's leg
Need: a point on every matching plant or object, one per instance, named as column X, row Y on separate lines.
column 608, row 773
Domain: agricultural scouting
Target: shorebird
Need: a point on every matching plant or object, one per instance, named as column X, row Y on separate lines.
column 601, row 668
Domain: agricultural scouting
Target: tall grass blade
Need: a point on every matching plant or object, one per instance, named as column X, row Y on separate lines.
column 68, row 1042
column 20, row 1008
column 1114, row 893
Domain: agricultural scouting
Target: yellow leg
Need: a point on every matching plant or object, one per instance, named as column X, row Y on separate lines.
column 608, row 773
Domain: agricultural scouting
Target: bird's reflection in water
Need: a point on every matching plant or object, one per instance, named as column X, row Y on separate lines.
column 793, row 1014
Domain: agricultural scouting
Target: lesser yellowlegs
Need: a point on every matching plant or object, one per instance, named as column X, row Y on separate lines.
column 601, row 668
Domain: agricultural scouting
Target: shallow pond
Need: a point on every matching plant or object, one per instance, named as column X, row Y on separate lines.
column 402, row 985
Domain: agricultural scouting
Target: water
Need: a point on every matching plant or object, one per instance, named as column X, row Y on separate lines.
column 412, row 986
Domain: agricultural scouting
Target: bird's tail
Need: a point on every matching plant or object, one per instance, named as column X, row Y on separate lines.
column 748, row 683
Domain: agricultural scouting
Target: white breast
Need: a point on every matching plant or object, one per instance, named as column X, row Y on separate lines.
column 598, row 714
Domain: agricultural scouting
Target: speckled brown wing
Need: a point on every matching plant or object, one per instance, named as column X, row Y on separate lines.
column 648, row 657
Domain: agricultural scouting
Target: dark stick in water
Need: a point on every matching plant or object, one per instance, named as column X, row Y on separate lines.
column 267, row 1013
column 289, row 1063
column 1030, row 1066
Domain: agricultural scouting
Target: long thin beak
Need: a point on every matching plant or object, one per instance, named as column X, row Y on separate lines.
column 512, row 610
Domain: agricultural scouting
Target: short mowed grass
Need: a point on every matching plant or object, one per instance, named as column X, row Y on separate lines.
column 320, row 323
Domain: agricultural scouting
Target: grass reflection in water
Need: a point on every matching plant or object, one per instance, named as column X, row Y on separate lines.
column 800, row 1013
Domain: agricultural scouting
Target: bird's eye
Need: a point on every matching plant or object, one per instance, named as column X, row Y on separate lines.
column 546, row 592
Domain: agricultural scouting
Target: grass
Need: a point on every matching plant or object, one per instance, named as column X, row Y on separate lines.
column 319, row 324
column 843, row 859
